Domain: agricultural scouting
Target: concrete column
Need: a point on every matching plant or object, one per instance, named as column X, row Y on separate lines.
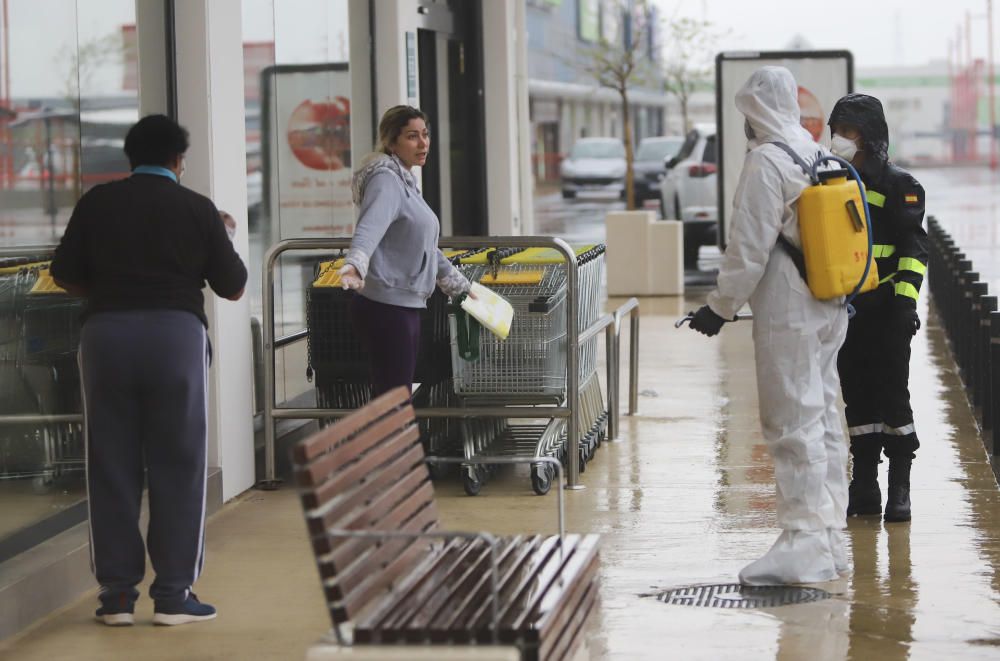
column 506, row 96
column 210, row 105
column 393, row 19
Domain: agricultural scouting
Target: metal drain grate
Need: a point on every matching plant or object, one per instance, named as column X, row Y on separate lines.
column 734, row 595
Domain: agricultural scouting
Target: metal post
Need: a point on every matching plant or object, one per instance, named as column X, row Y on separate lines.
column 995, row 379
column 984, row 390
column 633, row 383
column 965, row 320
column 572, row 366
column 267, row 333
column 612, row 374
column 975, row 351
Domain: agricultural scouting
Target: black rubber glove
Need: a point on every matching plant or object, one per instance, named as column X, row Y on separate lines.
column 904, row 315
column 706, row 322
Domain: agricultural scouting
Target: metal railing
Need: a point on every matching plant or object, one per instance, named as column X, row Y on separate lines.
column 972, row 325
column 574, row 338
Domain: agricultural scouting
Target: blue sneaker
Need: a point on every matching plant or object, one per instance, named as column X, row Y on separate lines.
column 190, row 610
column 116, row 611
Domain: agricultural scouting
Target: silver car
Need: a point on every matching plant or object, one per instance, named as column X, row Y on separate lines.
column 594, row 164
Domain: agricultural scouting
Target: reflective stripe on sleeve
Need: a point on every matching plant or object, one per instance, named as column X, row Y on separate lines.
column 910, row 264
column 908, row 290
column 905, row 430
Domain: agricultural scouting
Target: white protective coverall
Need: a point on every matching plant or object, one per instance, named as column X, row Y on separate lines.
column 796, row 341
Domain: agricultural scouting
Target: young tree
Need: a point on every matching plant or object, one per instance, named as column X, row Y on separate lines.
column 688, row 65
column 622, row 61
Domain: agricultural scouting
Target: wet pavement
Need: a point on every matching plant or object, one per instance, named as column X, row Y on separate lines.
column 685, row 497
column 967, row 203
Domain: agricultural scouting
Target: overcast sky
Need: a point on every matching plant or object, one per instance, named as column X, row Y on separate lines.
column 878, row 32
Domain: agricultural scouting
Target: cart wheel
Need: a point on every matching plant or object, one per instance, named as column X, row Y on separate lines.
column 541, row 481
column 472, row 485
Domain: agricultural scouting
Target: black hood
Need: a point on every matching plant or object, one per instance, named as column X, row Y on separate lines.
column 865, row 112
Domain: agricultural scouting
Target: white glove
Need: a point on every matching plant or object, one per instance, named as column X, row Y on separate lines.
column 350, row 278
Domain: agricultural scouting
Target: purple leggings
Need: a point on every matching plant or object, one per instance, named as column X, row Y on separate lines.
column 391, row 336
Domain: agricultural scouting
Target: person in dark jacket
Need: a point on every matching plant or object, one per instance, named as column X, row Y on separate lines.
column 874, row 362
column 140, row 250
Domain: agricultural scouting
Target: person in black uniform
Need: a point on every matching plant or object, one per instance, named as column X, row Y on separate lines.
column 140, row 250
column 874, row 362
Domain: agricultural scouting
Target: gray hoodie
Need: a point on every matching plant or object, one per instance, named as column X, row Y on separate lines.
column 394, row 247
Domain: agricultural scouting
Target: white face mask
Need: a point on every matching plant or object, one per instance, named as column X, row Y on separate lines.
column 843, row 147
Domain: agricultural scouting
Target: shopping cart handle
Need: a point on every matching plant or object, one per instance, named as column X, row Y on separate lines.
column 690, row 316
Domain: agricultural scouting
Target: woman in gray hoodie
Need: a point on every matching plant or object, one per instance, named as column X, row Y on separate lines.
column 394, row 262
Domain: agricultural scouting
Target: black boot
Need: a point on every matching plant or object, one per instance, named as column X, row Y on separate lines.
column 897, row 506
column 863, row 495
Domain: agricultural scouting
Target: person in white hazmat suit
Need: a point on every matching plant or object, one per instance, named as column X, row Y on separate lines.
column 796, row 340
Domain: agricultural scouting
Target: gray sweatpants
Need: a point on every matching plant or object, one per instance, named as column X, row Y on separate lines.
column 144, row 376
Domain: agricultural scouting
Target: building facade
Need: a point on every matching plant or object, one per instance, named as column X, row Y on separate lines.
column 566, row 102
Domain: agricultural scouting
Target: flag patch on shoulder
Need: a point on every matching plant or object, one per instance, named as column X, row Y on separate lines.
column 911, row 198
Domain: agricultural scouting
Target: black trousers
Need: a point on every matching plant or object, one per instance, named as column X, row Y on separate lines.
column 391, row 336
column 874, row 366
column 144, row 377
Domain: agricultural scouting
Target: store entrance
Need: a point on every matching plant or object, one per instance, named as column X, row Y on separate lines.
column 450, row 88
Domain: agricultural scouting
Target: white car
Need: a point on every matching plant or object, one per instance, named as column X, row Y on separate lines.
column 594, row 164
column 689, row 191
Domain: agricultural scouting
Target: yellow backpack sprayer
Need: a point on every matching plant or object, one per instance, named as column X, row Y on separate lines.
column 836, row 255
column 835, row 259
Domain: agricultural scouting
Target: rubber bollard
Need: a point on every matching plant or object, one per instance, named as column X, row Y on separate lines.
column 984, row 396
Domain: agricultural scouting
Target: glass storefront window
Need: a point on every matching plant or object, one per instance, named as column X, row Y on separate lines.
column 66, row 101
column 299, row 153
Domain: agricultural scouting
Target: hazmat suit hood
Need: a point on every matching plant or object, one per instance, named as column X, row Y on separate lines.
column 769, row 101
column 865, row 112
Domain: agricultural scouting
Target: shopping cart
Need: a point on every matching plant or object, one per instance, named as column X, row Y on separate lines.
column 529, row 367
column 338, row 361
column 46, row 359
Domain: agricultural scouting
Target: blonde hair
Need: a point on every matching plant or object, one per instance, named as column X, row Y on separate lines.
column 392, row 124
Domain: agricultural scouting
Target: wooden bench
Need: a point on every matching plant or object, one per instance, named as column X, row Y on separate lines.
column 391, row 576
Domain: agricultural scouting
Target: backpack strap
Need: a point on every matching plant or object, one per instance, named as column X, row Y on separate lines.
column 795, row 253
column 797, row 257
column 801, row 162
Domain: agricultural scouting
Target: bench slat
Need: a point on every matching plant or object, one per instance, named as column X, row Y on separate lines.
column 354, row 495
column 429, row 595
column 371, row 462
column 406, row 557
column 357, row 573
column 535, row 615
column 347, row 427
column 478, row 615
column 421, row 579
column 457, row 588
column 572, row 636
column 413, row 516
column 561, row 616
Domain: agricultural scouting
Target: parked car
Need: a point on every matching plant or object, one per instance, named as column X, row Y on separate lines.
column 594, row 164
column 650, row 165
column 689, row 191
